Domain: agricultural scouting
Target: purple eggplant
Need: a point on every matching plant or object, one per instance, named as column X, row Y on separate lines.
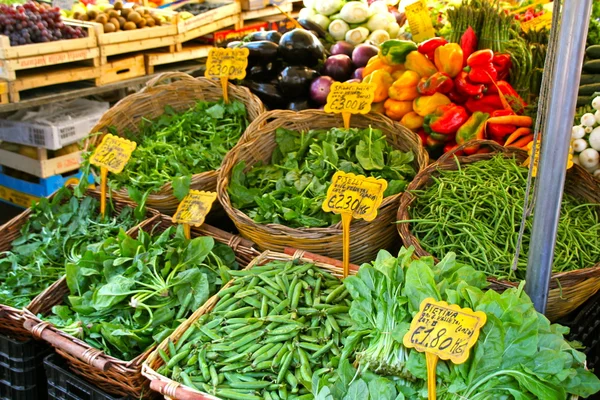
column 319, row 89
column 342, row 48
column 339, row 67
column 363, row 53
column 358, row 74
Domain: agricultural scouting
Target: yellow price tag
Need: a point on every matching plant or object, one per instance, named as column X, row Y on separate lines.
column 226, row 64
column 538, row 23
column 419, row 21
column 353, row 196
column 537, row 158
column 112, row 155
column 193, row 209
column 445, row 331
column 350, row 98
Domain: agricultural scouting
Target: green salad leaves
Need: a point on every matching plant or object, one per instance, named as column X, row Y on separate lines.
column 519, row 354
column 127, row 294
column 291, row 189
column 58, row 231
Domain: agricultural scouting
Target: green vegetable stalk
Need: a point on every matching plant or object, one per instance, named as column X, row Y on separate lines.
column 127, row 294
column 57, row 232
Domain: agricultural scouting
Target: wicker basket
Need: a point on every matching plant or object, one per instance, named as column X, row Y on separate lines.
column 176, row 391
column 568, row 290
column 181, row 94
column 366, row 237
column 109, row 373
column 11, row 319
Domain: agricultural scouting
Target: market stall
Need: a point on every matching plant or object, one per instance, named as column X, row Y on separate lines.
column 380, row 200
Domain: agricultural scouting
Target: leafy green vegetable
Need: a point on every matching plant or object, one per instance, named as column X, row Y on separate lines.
column 291, row 189
column 176, row 146
column 594, row 29
column 519, row 354
column 58, row 231
column 125, row 293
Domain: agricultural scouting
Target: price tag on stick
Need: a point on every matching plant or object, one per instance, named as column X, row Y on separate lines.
column 112, row 155
column 350, row 98
column 443, row 331
column 226, row 64
column 193, row 209
column 419, row 21
column 353, row 196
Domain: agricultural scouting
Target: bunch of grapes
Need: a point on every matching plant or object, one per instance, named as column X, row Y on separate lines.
column 35, row 23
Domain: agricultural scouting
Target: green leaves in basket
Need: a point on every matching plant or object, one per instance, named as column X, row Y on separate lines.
column 57, row 231
column 125, row 294
column 291, row 189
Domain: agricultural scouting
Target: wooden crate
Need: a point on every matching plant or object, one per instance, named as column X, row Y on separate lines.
column 44, row 167
column 207, row 22
column 187, row 53
column 266, row 12
column 3, row 92
column 121, row 68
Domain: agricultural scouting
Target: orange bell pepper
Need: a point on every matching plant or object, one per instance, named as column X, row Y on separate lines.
column 449, row 59
column 378, row 108
column 425, row 105
column 405, row 87
column 396, row 110
column 383, row 81
column 412, row 121
column 420, row 64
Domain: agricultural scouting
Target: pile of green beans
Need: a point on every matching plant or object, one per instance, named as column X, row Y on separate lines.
column 476, row 212
column 274, row 327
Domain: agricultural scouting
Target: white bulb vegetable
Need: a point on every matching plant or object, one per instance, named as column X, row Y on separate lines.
column 577, row 132
column 579, row 145
column 306, row 13
column 588, row 129
column 589, row 159
column 597, row 116
column 378, row 7
column 597, row 173
column 576, row 159
column 594, row 139
column 588, row 119
column 596, row 103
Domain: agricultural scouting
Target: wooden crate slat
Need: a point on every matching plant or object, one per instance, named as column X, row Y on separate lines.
column 8, row 68
column 186, row 54
column 41, row 168
column 267, row 11
column 121, row 69
column 209, row 16
column 134, row 46
column 206, row 29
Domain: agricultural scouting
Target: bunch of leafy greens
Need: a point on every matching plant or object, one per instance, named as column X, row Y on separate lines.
column 127, row 294
column 175, row 146
column 291, row 189
column 519, row 354
column 58, row 230
column 593, row 37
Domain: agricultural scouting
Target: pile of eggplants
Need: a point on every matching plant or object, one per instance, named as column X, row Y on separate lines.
column 295, row 70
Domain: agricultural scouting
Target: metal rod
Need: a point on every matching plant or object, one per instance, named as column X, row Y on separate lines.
column 555, row 149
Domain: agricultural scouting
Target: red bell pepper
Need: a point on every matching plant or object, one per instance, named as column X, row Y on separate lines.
column 502, row 64
column 465, row 87
column 436, row 83
column 446, row 119
column 468, row 44
column 480, row 67
column 499, row 132
column 428, row 47
column 457, row 98
column 515, row 101
column 451, row 146
column 486, row 104
column 480, row 57
column 422, row 135
column 473, row 129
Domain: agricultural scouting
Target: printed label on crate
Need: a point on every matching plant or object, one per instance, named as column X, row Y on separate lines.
column 194, row 207
column 229, row 63
column 419, row 21
column 354, row 194
column 353, row 98
column 538, row 23
column 19, row 198
column 113, row 153
column 445, row 330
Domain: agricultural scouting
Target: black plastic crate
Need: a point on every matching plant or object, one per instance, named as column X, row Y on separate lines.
column 22, row 373
column 585, row 328
column 65, row 385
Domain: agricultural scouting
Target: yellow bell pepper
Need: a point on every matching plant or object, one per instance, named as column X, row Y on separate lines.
column 412, row 121
column 405, row 87
column 375, row 63
column 426, row 105
column 396, row 110
column 449, row 59
column 378, row 108
column 398, row 73
column 382, row 80
column 419, row 63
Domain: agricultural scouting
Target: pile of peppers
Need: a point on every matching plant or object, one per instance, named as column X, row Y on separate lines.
column 446, row 92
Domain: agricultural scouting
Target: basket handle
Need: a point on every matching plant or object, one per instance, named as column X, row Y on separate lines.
column 88, row 356
column 160, row 79
column 489, row 143
column 290, row 251
column 175, row 391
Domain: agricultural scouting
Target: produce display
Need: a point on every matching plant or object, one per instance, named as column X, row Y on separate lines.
column 272, row 331
column 454, row 214
column 594, row 28
column 35, row 22
column 57, row 233
column 126, row 294
column 117, row 17
column 206, row 131
column 291, row 190
column 586, row 140
column 589, row 84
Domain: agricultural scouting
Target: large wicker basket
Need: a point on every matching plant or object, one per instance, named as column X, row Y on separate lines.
column 109, row 373
column 366, row 237
column 181, row 94
column 568, row 290
column 11, row 319
column 176, row 391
